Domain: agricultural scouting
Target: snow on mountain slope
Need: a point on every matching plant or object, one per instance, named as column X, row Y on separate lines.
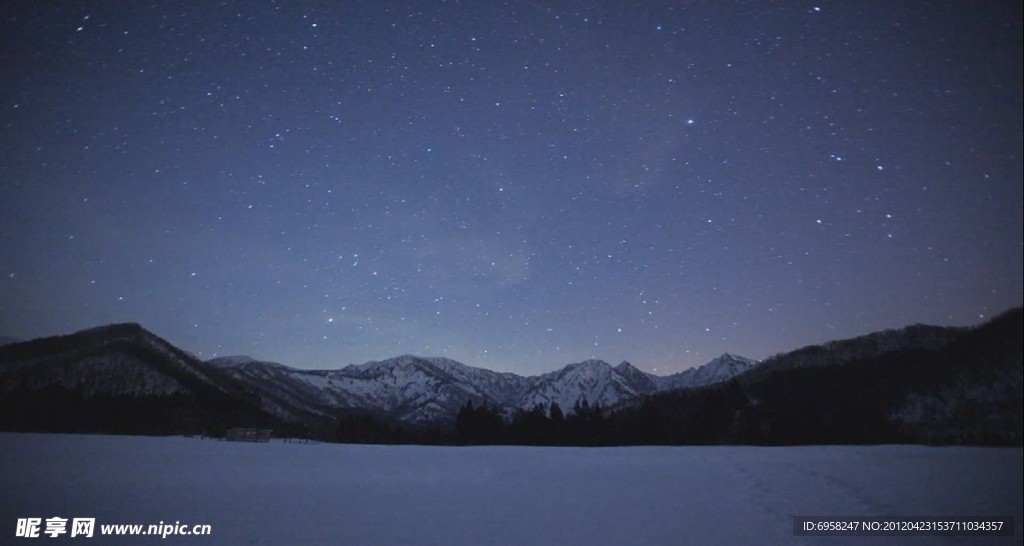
column 284, row 391
column 413, row 389
column 720, row 369
column 503, row 386
column 593, row 380
column 126, row 359
column 410, row 388
column 118, row 379
column 422, row 390
column 119, row 359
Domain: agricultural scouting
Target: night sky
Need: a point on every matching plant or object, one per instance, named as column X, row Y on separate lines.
column 515, row 185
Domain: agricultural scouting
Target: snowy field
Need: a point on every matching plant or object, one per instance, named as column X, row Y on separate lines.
column 281, row 493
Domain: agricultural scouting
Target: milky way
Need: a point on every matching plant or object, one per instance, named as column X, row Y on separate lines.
column 514, row 185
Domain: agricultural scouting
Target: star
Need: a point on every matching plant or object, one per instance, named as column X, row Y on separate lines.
column 476, row 186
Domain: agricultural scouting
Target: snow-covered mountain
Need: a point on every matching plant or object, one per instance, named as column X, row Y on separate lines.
column 921, row 383
column 718, row 370
column 409, row 388
column 424, row 390
column 595, row 381
column 118, row 378
column 127, row 360
column 118, row 359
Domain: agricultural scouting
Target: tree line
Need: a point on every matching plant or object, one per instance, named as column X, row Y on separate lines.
column 966, row 392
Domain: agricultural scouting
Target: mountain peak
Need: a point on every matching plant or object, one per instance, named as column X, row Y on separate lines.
column 720, row 369
column 625, row 366
column 727, row 358
column 120, row 329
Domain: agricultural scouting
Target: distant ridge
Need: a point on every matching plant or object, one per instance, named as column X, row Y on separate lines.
column 126, row 360
column 917, row 384
column 418, row 389
column 118, row 378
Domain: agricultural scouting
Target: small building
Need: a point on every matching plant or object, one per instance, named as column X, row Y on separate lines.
column 241, row 434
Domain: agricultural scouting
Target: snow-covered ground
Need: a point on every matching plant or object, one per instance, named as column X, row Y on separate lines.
column 281, row 493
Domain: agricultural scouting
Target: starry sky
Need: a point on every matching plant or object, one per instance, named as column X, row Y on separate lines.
column 515, row 185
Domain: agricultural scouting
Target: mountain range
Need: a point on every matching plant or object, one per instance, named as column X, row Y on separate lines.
column 423, row 390
column 126, row 361
column 119, row 379
column 920, row 383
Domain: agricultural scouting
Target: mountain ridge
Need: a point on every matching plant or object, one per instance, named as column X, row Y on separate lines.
column 918, row 384
column 117, row 378
column 402, row 386
column 407, row 388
